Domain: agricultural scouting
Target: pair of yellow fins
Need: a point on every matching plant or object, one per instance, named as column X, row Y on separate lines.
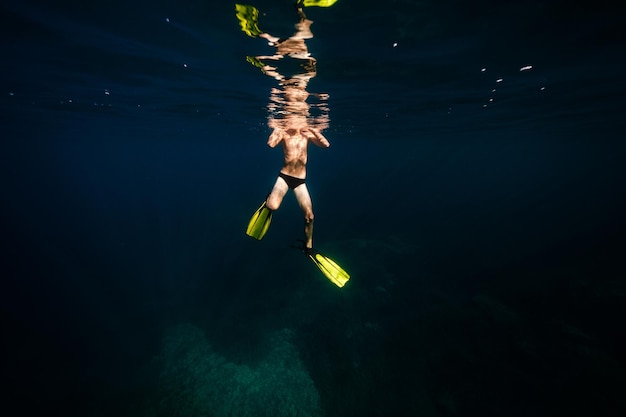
column 260, row 222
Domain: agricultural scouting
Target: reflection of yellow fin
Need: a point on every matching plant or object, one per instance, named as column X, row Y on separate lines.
column 319, row 3
column 255, row 61
column 248, row 17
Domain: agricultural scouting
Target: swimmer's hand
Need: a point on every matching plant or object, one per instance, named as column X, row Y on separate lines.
column 315, row 136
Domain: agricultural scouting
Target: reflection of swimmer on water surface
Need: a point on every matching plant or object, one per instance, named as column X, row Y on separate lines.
column 293, row 47
column 291, row 65
column 292, row 99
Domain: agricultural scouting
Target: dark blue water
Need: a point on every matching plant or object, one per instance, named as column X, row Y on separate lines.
column 478, row 207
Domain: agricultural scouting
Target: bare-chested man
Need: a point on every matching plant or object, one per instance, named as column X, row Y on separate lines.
column 295, row 141
column 293, row 127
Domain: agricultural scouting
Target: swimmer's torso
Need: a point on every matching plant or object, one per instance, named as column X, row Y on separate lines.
column 295, row 150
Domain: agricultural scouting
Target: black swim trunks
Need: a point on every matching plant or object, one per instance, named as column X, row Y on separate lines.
column 292, row 182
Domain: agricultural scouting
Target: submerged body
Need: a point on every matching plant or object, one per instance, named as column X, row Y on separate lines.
column 295, row 141
column 293, row 127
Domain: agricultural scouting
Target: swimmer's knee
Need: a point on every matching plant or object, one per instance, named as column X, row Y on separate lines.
column 308, row 217
column 272, row 204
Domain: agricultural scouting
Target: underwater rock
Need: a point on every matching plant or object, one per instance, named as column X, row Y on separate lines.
column 196, row 381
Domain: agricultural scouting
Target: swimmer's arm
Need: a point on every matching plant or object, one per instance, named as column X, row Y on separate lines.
column 316, row 137
column 275, row 138
column 271, row 39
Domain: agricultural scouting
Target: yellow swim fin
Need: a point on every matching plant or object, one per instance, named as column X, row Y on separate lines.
column 248, row 17
column 260, row 222
column 329, row 268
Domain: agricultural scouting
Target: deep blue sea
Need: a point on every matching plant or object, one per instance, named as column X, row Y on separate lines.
column 474, row 189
